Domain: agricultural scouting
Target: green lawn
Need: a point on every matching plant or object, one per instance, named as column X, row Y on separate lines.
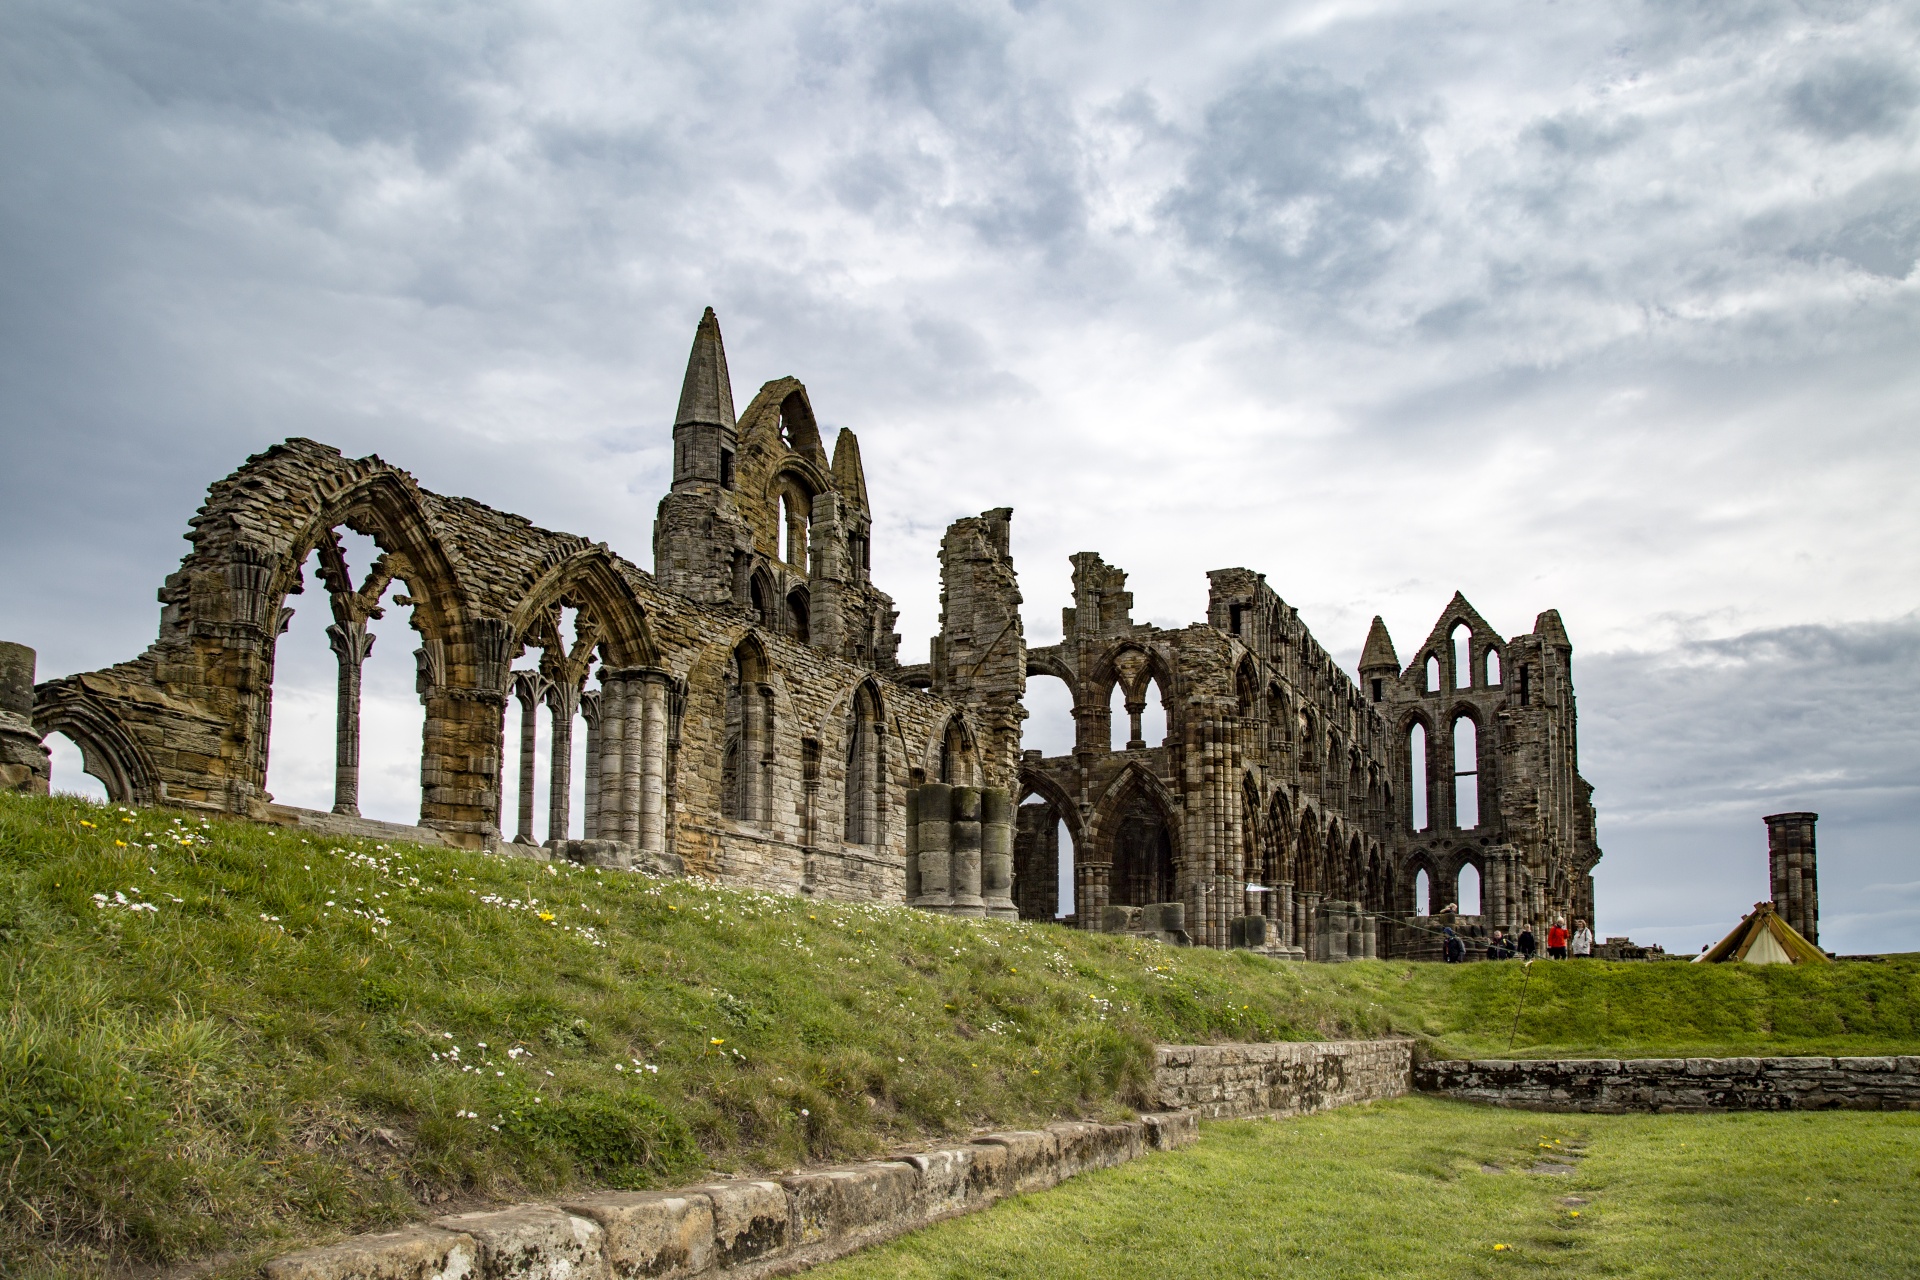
column 1410, row 1189
column 219, row 1033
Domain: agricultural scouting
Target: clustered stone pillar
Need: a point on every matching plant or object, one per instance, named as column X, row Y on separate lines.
column 1790, row 857
column 563, row 704
column 23, row 761
column 1343, row 931
column 590, row 712
column 963, row 850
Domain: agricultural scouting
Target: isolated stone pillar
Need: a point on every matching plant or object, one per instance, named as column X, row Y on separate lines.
column 996, row 854
column 24, row 763
column 590, row 799
column 528, row 690
column 1282, row 897
column 1790, row 856
column 632, row 757
column 563, row 703
column 351, row 642
column 913, row 846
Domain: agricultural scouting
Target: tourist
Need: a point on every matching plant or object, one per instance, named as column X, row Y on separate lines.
column 1452, row 950
column 1499, row 947
column 1526, row 943
column 1580, row 946
column 1557, row 939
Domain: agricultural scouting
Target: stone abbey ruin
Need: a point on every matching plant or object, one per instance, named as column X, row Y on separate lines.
column 747, row 718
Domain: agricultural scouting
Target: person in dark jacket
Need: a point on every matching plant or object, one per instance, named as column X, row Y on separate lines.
column 1453, row 950
column 1499, row 947
column 1526, row 943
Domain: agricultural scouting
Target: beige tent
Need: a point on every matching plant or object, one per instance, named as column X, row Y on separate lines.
column 1763, row 938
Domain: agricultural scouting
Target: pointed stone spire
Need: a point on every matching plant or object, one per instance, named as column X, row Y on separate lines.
column 1378, row 652
column 848, row 475
column 706, row 396
column 1551, row 630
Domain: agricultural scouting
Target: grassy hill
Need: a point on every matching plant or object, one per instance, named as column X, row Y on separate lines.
column 219, row 1034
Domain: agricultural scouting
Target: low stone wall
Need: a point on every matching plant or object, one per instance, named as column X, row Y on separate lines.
column 763, row 1227
column 1681, row 1084
column 1284, row 1079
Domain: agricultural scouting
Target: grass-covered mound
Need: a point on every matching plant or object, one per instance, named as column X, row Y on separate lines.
column 222, row 1036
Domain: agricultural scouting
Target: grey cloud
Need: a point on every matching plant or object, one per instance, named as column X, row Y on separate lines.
column 1297, row 179
column 1850, row 96
column 1689, row 747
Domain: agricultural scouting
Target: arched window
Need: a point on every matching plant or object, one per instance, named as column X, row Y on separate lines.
column 1049, row 727
column 795, row 510
column 1433, row 674
column 1461, row 641
column 866, row 769
column 68, row 768
column 1466, row 774
column 1422, row 894
column 1468, row 892
column 1417, row 758
column 1493, row 667
column 747, row 766
column 797, row 616
column 958, row 760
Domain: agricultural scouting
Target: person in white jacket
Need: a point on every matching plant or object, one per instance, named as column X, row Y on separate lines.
column 1580, row 945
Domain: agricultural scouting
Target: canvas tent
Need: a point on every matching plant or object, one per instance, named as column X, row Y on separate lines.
column 1763, row 938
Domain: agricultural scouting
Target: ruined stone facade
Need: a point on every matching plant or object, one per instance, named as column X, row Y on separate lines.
column 745, row 714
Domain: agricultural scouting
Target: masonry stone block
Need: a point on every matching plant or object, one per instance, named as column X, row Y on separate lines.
column 750, row 1220
column 652, row 1234
column 830, row 1203
column 533, row 1242
column 417, row 1253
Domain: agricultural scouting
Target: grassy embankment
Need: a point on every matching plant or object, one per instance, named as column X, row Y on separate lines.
column 1428, row 1190
column 223, row 1036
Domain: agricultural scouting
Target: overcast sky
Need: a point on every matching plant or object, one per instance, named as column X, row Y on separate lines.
column 1604, row 307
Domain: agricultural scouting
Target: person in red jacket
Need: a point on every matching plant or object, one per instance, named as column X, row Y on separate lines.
column 1557, row 940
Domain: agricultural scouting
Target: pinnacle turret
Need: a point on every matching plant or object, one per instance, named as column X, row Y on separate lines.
column 706, row 397
column 1377, row 653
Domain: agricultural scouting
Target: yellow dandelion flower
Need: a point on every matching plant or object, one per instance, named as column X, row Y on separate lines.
column 121, row 843
column 716, row 1040
column 1501, row 1247
column 546, row 915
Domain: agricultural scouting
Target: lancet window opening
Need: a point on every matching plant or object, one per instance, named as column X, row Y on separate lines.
column 1417, row 790
column 747, row 766
column 1466, row 773
column 866, row 769
column 1460, row 647
column 360, row 580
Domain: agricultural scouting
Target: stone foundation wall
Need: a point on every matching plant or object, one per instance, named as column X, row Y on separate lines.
column 1681, row 1084
column 763, row 1227
column 1286, row 1079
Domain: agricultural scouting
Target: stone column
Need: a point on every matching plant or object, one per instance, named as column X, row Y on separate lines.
column 632, row 757
column 935, row 811
column 913, row 846
column 996, row 854
column 612, row 755
column 1092, row 890
column 529, row 690
column 351, row 642
column 653, row 762
column 966, row 853
column 1282, row 898
column 24, row 763
column 563, row 701
column 590, row 800
column 1790, row 855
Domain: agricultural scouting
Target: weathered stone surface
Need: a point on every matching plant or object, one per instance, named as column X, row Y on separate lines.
column 750, row 1220
column 1032, row 1159
column 1681, row 1084
column 944, row 1179
column 833, row 1203
column 533, row 1242
column 1283, row 1079
column 646, row 1233
column 23, row 761
column 752, row 722
column 418, row 1253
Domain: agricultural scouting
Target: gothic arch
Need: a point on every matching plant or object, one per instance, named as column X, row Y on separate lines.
column 107, row 751
column 1106, row 671
column 589, row 581
column 1135, row 836
column 952, row 755
column 1035, row 783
